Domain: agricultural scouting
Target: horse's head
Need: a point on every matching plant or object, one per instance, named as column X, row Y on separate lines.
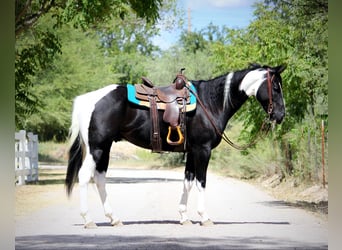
column 265, row 84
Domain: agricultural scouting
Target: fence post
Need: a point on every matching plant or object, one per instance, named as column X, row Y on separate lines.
column 26, row 157
column 32, row 147
column 20, row 138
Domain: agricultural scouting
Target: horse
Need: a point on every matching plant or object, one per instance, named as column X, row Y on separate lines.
column 104, row 116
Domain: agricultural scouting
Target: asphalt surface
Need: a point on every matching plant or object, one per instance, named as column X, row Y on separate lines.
column 147, row 203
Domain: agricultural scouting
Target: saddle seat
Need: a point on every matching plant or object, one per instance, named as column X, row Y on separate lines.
column 165, row 94
column 173, row 99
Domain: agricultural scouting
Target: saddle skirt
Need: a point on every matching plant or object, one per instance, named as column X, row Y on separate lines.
column 140, row 94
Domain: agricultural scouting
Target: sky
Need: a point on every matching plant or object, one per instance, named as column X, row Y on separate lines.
column 232, row 13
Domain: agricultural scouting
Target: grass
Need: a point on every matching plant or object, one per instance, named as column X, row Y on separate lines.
column 52, row 152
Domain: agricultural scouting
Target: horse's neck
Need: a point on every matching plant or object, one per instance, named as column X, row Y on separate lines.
column 234, row 102
column 222, row 99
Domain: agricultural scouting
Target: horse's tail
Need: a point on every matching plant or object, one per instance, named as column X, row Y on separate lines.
column 75, row 156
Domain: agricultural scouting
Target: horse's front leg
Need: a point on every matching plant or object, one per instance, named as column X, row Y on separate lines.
column 205, row 220
column 188, row 181
column 201, row 161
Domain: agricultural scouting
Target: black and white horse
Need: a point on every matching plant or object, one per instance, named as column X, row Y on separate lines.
column 105, row 115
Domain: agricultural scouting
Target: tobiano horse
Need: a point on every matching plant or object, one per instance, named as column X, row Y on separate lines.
column 105, row 115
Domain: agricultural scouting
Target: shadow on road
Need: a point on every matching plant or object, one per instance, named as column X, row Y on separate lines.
column 82, row 242
column 176, row 222
column 131, row 180
column 321, row 207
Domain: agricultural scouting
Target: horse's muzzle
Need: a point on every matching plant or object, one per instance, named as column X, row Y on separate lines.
column 277, row 116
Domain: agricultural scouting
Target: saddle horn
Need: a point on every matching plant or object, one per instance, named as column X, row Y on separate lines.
column 180, row 80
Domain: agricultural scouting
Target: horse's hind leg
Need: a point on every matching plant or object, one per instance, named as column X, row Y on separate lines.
column 101, row 157
column 85, row 174
column 100, row 180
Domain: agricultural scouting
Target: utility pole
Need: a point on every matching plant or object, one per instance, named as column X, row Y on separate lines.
column 189, row 20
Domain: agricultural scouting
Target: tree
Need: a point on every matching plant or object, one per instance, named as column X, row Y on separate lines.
column 128, row 42
column 193, row 41
column 37, row 47
column 79, row 68
column 81, row 13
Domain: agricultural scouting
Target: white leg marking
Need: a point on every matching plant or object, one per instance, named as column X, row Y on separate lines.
column 100, row 180
column 85, row 174
column 201, row 202
column 184, row 200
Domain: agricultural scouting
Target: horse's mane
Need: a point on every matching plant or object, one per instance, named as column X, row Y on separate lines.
column 251, row 66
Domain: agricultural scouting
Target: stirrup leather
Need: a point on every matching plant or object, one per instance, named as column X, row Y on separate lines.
column 180, row 136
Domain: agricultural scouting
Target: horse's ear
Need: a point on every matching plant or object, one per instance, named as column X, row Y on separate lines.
column 279, row 69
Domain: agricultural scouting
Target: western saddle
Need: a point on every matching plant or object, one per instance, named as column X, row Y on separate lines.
column 173, row 98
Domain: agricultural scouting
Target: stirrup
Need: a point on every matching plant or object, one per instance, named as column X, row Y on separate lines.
column 180, row 136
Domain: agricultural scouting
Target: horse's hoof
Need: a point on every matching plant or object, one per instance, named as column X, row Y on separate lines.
column 207, row 223
column 117, row 223
column 186, row 223
column 90, row 225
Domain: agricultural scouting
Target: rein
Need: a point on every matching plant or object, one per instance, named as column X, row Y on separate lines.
column 265, row 126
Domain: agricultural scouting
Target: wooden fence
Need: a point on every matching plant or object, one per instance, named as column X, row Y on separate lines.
column 26, row 157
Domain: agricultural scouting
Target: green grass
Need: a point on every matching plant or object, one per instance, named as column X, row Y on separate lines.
column 263, row 159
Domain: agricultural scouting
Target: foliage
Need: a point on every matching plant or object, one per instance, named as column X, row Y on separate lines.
column 31, row 59
column 37, row 47
column 163, row 69
column 81, row 67
column 81, row 13
column 193, row 42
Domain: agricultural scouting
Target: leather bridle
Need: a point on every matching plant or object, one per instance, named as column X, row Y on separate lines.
column 269, row 91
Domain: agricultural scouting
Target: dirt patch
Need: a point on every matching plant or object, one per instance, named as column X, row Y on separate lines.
column 311, row 197
column 34, row 196
column 30, row 198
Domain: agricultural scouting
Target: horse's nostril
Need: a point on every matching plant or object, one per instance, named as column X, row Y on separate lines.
column 280, row 118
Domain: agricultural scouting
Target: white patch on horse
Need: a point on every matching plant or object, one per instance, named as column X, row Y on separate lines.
column 84, row 106
column 252, row 81
column 227, row 88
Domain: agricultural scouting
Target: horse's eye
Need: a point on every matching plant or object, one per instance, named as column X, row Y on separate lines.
column 276, row 86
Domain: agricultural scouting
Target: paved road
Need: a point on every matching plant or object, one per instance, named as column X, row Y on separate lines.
column 147, row 203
